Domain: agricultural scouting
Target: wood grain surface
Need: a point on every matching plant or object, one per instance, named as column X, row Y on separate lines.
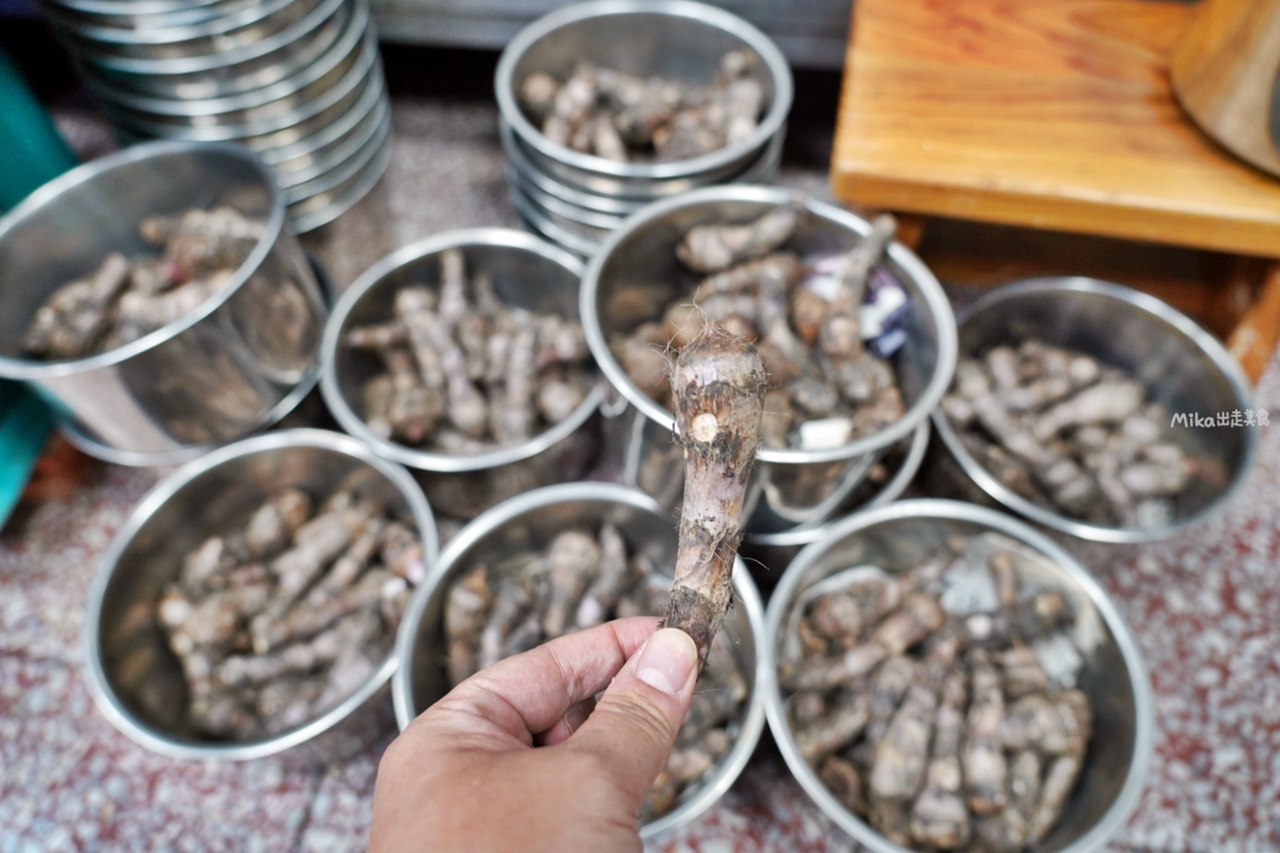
column 1046, row 113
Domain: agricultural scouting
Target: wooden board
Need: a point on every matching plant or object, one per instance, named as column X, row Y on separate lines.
column 1044, row 113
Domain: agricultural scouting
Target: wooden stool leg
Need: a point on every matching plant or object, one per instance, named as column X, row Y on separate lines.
column 1254, row 340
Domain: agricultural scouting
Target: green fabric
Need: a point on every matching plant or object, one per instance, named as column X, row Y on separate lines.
column 32, row 153
column 23, row 431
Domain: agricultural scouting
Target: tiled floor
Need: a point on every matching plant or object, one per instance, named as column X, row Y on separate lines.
column 1204, row 607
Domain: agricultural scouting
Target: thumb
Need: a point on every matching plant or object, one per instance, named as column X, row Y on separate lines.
column 635, row 723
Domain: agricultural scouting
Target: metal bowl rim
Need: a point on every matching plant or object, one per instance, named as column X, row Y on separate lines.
column 347, row 41
column 282, row 57
column 29, row 369
column 929, row 508
column 211, row 61
column 533, row 184
column 369, row 101
column 367, row 65
column 132, row 36
column 130, row 8
column 764, row 47
column 806, row 534
column 1207, row 344
column 496, row 517
column 346, row 168
column 360, row 133
column 87, row 443
column 105, row 696
column 374, row 276
column 553, row 232
column 342, row 201
column 935, row 301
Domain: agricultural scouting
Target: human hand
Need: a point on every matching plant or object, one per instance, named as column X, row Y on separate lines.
column 521, row 757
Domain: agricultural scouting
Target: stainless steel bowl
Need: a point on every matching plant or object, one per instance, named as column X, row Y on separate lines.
column 240, row 361
column 316, row 76
column 531, row 521
column 324, row 207
column 527, row 273
column 912, row 451
column 595, row 221
column 345, row 170
column 343, row 86
column 540, row 223
column 206, row 55
column 593, row 225
column 141, row 13
column 674, row 38
column 234, row 26
column 134, row 678
column 1182, row 367
column 645, row 191
column 344, row 147
column 789, row 487
column 284, row 55
column 303, row 153
column 895, row 538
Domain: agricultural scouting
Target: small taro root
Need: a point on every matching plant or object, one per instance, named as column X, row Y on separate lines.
column 718, row 385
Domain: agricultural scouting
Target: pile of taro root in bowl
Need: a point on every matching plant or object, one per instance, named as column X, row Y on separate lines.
column 944, row 678
column 252, row 600
column 858, row 345
column 462, row 352
column 1096, row 410
column 195, row 255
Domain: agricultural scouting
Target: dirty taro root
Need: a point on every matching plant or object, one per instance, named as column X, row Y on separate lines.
column 940, row 704
column 583, row 578
column 623, row 117
column 463, row 372
column 825, row 326
column 1071, row 434
column 127, row 298
column 279, row 620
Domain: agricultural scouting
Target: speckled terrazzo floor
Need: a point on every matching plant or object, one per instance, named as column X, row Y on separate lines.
column 1204, row 607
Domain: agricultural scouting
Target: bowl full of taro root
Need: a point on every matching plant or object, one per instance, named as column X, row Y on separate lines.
column 158, row 298
column 462, row 357
column 942, row 677
column 641, row 99
column 854, row 331
column 569, row 557
column 1097, row 410
column 250, row 602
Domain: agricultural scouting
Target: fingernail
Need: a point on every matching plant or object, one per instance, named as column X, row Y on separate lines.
column 667, row 660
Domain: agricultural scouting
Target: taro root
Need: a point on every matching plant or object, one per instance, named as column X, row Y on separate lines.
column 825, row 326
column 1070, row 434
column 464, row 373
column 940, row 704
column 127, row 298
column 276, row 621
column 581, row 579
column 624, row 117
column 719, row 386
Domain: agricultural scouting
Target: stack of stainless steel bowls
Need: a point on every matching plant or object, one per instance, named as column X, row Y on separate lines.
column 298, row 81
column 577, row 199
